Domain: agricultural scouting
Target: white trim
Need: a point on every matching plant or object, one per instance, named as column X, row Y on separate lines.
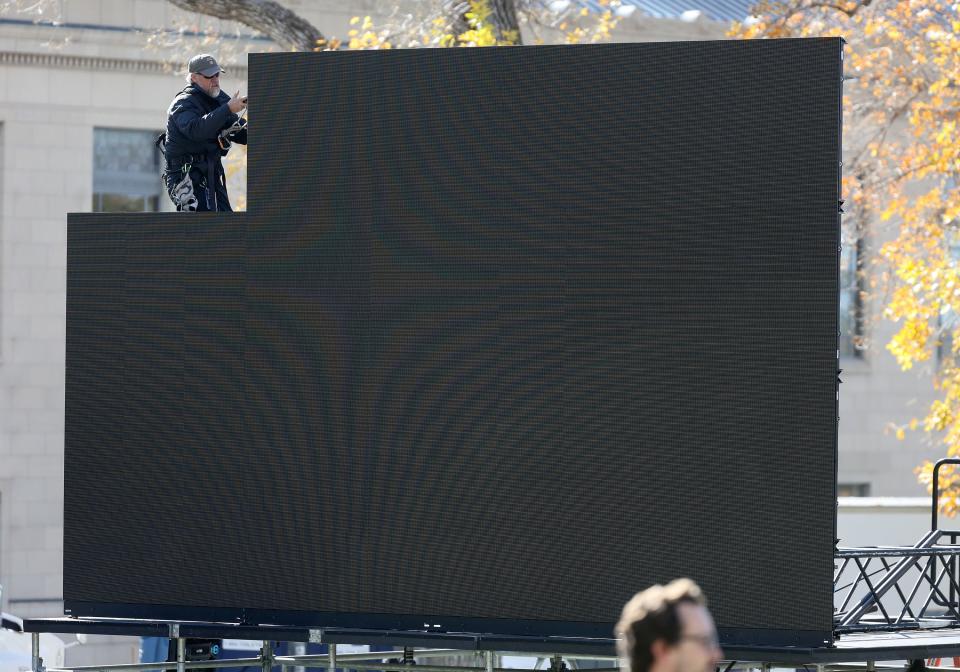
column 98, row 63
column 884, row 503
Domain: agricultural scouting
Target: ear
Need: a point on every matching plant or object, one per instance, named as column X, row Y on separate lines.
column 659, row 649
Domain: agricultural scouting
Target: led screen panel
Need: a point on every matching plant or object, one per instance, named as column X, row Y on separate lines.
column 506, row 335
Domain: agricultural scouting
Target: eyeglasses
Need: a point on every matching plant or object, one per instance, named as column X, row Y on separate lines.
column 210, row 77
column 707, row 641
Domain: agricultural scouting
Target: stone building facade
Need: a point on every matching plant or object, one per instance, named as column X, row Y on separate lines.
column 80, row 102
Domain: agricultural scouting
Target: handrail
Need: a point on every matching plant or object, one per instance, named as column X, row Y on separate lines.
column 936, row 488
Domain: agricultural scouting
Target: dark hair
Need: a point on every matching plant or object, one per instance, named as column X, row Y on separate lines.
column 651, row 615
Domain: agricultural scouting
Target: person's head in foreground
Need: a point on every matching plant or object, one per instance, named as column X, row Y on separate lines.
column 668, row 629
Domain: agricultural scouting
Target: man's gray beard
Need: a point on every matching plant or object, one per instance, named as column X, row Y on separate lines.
column 214, row 92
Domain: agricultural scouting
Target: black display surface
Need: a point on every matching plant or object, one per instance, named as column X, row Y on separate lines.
column 507, row 335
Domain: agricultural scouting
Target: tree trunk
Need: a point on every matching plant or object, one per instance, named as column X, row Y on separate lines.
column 270, row 18
column 504, row 15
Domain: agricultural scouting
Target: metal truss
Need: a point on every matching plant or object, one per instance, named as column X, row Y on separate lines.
column 900, row 588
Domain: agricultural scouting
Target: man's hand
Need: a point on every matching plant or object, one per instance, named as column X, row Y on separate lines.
column 237, row 103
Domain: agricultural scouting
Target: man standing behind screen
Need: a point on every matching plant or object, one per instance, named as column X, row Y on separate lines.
column 202, row 122
column 668, row 629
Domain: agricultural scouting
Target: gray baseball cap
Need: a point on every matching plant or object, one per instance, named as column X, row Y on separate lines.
column 205, row 64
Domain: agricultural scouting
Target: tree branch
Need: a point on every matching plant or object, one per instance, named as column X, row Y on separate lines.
column 849, row 11
column 270, row 18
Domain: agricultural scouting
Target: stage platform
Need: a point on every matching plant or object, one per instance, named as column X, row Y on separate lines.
column 851, row 648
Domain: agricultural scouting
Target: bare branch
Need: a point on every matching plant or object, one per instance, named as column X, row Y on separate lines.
column 270, row 18
column 849, row 11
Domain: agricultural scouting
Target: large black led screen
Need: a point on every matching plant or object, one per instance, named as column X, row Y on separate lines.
column 505, row 336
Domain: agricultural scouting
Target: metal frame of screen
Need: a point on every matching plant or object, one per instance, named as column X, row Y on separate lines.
column 521, row 630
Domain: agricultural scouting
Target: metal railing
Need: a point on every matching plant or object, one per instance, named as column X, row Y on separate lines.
column 898, row 588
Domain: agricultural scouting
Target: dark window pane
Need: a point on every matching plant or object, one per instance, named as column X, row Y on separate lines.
column 853, row 490
column 121, row 203
column 851, row 310
column 126, row 162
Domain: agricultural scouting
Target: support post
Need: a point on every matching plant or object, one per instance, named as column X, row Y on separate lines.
column 488, row 660
column 36, row 661
column 181, row 653
column 299, row 649
column 332, row 648
column 266, row 656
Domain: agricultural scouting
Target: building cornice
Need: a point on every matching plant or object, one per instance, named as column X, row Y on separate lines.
column 97, row 63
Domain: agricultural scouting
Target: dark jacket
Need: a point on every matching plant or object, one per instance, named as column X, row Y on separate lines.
column 194, row 122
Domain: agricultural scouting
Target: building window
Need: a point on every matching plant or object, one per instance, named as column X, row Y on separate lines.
column 851, row 299
column 947, row 322
column 126, row 171
column 853, row 489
